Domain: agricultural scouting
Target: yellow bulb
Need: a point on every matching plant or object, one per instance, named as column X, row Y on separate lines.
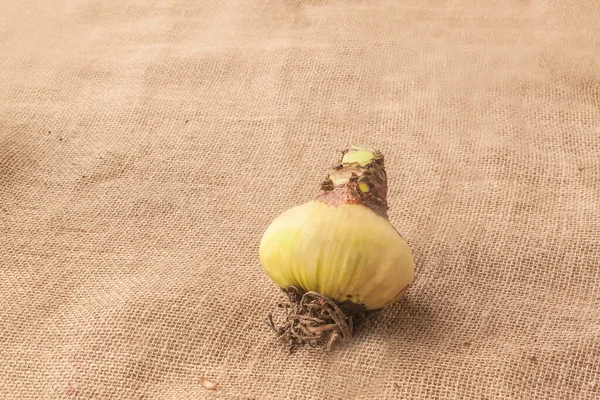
column 346, row 252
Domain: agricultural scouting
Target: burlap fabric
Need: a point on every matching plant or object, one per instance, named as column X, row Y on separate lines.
column 146, row 145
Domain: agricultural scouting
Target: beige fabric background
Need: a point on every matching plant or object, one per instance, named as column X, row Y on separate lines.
column 145, row 145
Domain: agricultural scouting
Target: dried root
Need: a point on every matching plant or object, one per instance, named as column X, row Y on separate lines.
column 315, row 321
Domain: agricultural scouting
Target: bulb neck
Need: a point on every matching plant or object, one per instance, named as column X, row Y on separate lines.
column 359, row 178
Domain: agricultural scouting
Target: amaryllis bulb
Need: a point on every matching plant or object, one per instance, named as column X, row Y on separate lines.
column 341, row 244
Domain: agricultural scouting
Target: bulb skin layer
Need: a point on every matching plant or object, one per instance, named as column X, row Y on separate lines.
column 343, row 250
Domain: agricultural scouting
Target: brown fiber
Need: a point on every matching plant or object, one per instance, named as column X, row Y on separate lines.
column 145, row 145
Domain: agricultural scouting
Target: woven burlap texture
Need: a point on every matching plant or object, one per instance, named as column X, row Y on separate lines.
column 145, row 146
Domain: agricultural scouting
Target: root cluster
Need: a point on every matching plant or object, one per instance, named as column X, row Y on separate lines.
column 315, row 321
